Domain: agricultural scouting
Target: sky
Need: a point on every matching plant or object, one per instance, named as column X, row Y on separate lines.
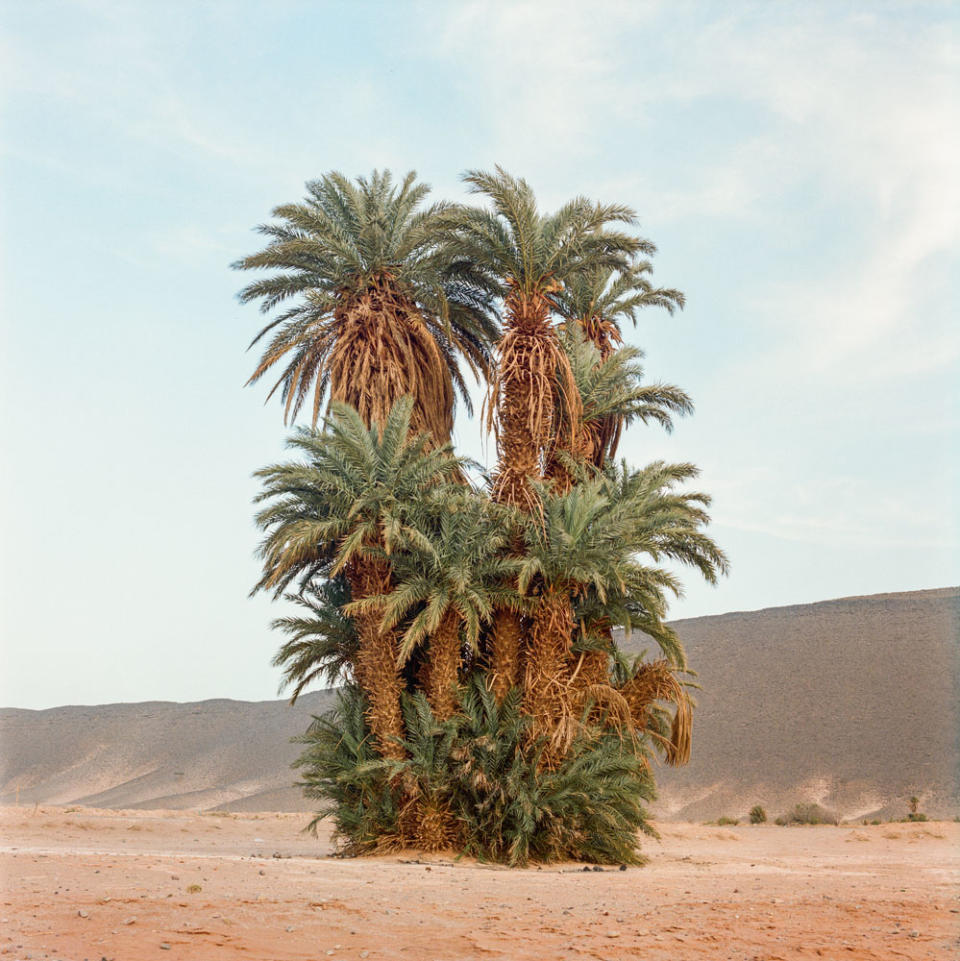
column 795, row 163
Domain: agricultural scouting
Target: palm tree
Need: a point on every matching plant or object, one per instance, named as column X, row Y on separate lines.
column 596, row 303
column 447, row 580
column 343, row 510
column 523, row 257
column 374, row 315
column 611, row 397
column 589, row 540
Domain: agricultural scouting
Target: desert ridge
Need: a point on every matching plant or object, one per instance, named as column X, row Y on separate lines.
column 850, row 703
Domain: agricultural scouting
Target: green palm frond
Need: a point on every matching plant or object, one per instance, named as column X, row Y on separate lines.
column 514, row 245
column 321, row 643
column 600, row 300
column 351, row 495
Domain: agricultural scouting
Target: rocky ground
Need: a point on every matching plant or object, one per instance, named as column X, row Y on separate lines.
column 135, row 885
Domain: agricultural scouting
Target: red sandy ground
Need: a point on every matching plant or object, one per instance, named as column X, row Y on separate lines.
column 140, row 886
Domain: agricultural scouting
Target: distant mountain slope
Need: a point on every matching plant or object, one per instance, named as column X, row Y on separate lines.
column 231, row 755
column 852, row 702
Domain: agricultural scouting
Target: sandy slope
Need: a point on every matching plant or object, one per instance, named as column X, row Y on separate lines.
column 118, row 885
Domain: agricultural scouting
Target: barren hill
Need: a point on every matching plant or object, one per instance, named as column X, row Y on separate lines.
column 852, row 702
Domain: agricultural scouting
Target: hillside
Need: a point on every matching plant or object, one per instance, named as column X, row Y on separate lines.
column 851, row 702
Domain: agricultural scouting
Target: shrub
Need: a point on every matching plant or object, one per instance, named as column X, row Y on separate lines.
column 477, row 783
column 808, row 813
column 758, row 815
column 916, row 816
column 725, row 821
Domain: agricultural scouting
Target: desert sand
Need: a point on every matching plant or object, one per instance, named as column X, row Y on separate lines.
column 135, row 885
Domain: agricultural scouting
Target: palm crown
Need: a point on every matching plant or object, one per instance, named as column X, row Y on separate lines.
column 376, row 314
column 599, row 300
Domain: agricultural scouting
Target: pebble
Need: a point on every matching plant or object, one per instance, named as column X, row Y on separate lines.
column 83, row 914
column 364, row 954
column 613, row 934
column 914, row 934
column 290, row 928
column 130, row 921
column 164, row 946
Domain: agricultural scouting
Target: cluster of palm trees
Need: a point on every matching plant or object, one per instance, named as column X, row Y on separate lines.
column 411, row 575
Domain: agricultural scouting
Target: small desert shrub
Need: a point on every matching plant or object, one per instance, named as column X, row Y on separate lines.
column 916, row 816
column 725, row 821
column 194, row 889
column 808, row 813
column 758, row 815
column 478, row 784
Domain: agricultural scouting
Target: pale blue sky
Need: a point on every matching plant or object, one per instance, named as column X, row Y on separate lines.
column 796, row 164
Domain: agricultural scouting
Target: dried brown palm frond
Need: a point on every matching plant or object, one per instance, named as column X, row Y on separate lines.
column 657, row 682
column 384, row 351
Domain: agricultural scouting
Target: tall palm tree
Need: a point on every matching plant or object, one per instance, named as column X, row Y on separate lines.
column 370, row 313
column 523, row 257
column 343, row 510
column 448, row 579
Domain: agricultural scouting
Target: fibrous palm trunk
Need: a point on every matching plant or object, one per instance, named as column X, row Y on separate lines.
column 444, row 669
column 531, row 369
column 376, row 664
column 605, row 434
column 546, row 681
column 525, row 388
column 505, row 652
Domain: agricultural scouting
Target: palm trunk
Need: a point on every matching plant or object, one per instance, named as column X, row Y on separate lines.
column 444, row 667
column 525, row 390
column 546, row 670
column 376, row 665
column 505, row 653
column 606, row 434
